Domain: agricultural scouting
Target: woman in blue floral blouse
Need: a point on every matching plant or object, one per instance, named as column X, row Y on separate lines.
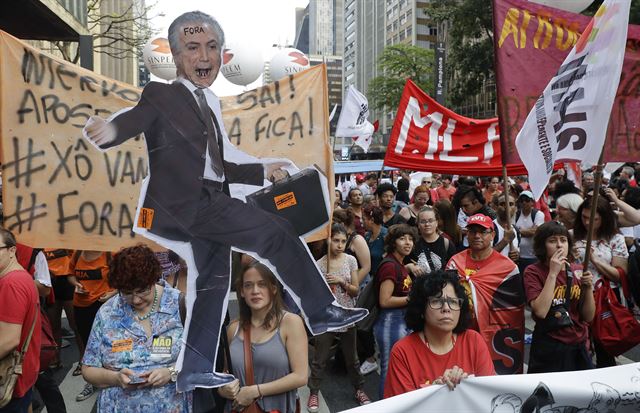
column 135, row 340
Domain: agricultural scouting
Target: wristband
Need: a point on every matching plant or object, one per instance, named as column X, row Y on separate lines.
column 259, row 392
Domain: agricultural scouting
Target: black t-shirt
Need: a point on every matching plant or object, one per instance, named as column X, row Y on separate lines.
column 434, row 254
column 395, row 219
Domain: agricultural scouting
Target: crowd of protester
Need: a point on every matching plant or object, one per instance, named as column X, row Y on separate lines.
column 411, row 241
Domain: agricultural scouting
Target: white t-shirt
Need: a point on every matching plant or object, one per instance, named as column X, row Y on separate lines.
column 525, row 222
column 41, row 270
column 515, row 244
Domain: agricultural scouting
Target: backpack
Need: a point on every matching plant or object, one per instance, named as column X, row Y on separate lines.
column 534, row 212
column 49, row 349
column 368, row 298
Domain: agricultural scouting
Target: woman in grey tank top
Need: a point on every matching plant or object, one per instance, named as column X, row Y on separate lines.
column 278, row 345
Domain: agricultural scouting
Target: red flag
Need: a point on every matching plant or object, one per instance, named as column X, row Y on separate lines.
column 426, row 136
column 376, row 125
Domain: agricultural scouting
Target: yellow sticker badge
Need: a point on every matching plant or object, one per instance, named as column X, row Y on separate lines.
column 145, row 218
column 118, row 346
column 285, row 200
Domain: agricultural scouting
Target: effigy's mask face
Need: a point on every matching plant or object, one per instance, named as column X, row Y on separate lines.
column 200, row 55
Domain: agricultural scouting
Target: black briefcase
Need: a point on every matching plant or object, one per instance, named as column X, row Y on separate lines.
column 298, row 198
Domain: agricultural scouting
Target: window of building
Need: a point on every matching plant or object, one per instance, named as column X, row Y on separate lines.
column 350, row 36
column 433, row 31
column 350, row 77
column 403, row 19
column 395, row 25
column 389, row 27
column 349, row 66
column 351, row 15
column 388, row 41
column 395, row 38
column 409, row 31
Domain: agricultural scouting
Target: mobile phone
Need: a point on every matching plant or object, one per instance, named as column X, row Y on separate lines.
column 137, row 379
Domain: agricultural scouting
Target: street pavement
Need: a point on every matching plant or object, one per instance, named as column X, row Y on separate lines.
column 336, row 393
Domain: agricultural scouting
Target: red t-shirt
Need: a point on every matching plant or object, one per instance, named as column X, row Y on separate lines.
column 446, row 193
column 534, row 278
column 19, row 304
column 412, row 365
column 401, row 282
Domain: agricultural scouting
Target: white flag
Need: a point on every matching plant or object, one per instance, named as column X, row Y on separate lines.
column 569, row 120
column 353, row 119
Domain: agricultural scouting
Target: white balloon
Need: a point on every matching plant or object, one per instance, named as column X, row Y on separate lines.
column 287, row 62
column 158, row 58
column 242, row 64
column 575, row 6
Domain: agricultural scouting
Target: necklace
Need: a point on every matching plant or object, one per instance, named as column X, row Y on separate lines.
column 423, row 336
column 153, row 305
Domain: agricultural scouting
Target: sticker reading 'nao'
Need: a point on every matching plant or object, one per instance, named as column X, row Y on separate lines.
column 285, row 200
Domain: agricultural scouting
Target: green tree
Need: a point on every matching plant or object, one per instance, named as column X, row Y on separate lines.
column 397, row 63
column 470, row 44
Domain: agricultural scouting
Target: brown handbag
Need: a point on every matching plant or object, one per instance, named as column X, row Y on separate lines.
column 11, row 368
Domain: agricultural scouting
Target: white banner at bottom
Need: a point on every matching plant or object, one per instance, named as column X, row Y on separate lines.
column 614, row 389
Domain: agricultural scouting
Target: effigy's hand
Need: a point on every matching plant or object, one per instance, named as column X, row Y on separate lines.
column 99, row 131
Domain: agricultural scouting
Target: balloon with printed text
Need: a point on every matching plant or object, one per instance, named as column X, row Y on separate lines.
column 242, row 64
column 287, row 61
column 158, row 58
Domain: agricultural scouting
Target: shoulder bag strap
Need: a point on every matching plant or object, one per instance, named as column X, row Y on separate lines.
column 248, row 357
column 26, row 342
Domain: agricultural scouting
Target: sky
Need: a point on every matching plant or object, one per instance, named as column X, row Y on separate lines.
column 259, row 23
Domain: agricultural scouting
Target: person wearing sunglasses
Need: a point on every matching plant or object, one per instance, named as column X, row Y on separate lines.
column 136, row 338
column 441, row 349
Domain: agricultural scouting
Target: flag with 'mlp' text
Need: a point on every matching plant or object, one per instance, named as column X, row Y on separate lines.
column 569, row 120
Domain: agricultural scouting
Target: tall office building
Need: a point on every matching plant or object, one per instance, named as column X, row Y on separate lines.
column 302, row 29
column 407, row 22
column 370, row 26
column 326, row 27
column 364, row 40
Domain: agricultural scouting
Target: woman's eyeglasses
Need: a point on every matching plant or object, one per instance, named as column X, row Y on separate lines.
column 139, row 294
column 437, row 303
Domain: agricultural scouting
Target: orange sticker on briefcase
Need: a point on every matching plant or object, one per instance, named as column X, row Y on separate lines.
column 285, row 200
column 118, row 346
column 145, row 218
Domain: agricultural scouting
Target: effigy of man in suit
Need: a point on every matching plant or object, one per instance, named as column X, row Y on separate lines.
column 185, row 200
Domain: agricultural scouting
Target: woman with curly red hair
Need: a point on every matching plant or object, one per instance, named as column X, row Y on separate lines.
column 136, row 338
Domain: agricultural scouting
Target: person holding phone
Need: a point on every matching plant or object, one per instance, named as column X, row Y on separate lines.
column 136, row 338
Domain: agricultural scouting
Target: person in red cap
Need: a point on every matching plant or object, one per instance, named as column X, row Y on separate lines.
column 496, row 295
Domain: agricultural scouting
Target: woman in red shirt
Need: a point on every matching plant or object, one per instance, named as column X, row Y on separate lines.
column 394, row 283
column 441, row 350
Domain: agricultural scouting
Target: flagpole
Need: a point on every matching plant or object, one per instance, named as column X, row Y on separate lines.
column 505, row 178
column 593, row 210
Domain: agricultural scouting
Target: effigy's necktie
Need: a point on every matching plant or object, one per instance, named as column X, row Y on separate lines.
column 214, row 151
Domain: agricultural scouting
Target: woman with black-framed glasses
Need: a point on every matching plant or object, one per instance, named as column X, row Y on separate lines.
column 441, row 350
